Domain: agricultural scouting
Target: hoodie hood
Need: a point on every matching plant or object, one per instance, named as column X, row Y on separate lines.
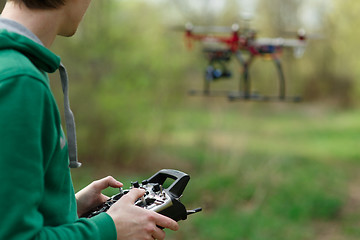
column 39, row 55
column 17, row 37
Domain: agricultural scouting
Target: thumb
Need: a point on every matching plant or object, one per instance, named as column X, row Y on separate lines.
column 133, row 195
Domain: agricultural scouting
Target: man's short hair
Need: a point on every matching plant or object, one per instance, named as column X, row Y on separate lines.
column 41, row 4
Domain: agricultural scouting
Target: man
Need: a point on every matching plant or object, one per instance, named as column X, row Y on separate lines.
column 37, row 196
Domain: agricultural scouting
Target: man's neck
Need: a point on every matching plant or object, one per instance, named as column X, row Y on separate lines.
column 43, row 23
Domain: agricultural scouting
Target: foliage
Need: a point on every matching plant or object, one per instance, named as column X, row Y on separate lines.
column 130, row 71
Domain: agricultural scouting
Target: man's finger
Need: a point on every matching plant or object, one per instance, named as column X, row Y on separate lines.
column 158, row 234
column 106, row 182
column 166, row 222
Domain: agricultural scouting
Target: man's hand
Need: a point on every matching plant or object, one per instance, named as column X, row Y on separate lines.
column 91, row 196
column 133, row 222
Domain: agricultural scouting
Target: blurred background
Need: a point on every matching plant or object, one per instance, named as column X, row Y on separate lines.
column 260, row 170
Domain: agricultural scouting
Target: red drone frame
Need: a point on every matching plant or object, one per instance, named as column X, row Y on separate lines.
column 236, row 43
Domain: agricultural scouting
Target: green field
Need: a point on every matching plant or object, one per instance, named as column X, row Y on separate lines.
column 259, row 170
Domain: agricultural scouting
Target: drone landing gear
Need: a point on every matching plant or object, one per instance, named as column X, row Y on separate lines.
column 208, row 93
column 260, row 98
column 216, row 70
column 248, row 96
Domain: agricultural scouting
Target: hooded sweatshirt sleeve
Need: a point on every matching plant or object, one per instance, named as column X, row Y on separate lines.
column 38, row 200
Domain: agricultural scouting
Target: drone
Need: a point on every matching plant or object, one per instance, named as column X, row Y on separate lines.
column 221, row 44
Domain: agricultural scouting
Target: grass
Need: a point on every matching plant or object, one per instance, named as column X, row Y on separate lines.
column 260, row 172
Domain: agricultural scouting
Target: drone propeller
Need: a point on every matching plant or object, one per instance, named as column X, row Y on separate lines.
column 302, row 34
column 214, row 29
column 279, row 42
column 298, row 45
column 206, row 29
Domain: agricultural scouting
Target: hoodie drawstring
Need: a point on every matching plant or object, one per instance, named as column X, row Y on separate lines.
column 69, row 120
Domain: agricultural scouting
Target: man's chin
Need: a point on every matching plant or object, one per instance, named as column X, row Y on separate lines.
column 68, row 33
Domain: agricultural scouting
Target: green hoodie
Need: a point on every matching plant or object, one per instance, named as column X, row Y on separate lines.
column 37, row 197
